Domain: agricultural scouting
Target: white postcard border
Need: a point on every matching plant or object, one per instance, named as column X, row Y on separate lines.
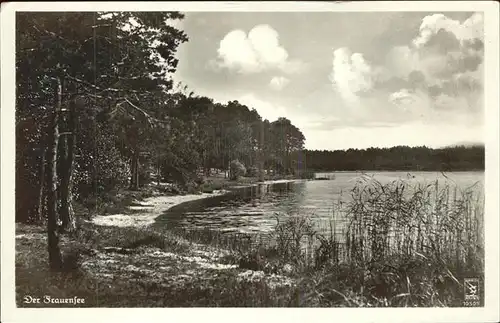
column 487, row 314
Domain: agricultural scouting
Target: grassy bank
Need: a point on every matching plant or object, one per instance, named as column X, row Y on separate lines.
column 129, row 267
column 402, row 246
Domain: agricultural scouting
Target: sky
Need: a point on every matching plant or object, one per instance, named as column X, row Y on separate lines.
column 347, row 80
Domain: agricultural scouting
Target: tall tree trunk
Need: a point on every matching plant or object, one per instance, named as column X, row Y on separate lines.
column 55, row 258
column 206, row 164
column 41, row 175
column 67, row 214
column 137, row 166
column 132, row 171
column 158, row 171
column 134, row 179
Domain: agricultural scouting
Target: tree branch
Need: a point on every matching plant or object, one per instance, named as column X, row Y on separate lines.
column 108, row 89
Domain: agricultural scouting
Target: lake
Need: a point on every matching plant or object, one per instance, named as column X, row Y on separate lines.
column 254, row 209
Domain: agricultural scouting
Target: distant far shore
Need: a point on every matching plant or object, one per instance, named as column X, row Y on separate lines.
column 401, row 158
column 398, row 170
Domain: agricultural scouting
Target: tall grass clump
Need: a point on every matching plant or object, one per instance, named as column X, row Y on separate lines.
column 292, row 239
column 442, row 222
column 408, row 245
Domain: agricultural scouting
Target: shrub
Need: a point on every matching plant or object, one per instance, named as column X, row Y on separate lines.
column 236, row 169
column 307, row 174
column 145, row 175
column 99, row 165
column 210, row 186
column 192, row 188
column 252, row 171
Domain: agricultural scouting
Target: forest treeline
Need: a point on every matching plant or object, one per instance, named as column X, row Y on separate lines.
column 456, row 158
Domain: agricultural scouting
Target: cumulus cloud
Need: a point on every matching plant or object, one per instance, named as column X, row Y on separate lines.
column 441, row 49
column 436, row 107
column 438, row 74
column 257, row 51
column 401, row 60
column 471, row 28
column 278, row 82
column 450, row 62
column 446, row 47
column 351, row 74
column 412, row 104
column 469, row 81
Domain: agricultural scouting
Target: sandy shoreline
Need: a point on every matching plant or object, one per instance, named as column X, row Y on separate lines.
column 155, row 206
column 152, row 208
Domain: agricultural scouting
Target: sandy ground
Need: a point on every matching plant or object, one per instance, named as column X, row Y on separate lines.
column 174, row 271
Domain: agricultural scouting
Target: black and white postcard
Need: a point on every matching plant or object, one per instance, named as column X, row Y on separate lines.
column 162, row 159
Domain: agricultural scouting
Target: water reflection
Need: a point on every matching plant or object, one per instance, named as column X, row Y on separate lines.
column 247, row 209
column 254, row 209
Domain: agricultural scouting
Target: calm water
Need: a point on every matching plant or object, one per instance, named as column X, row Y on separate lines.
column 254, row 209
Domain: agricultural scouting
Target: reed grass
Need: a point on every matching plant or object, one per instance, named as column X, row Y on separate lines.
column 404, row 245
column 438, row 221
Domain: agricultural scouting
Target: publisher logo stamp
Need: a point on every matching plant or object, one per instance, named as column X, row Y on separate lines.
column 471, row 292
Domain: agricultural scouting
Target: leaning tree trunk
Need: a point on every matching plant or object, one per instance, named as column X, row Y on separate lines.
column 67, row 214
column 55, row 258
